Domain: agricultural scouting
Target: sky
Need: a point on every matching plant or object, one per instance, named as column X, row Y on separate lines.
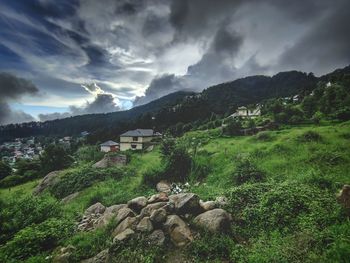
column 72, row 57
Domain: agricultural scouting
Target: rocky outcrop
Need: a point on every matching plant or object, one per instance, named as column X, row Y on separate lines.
column 163, row 186
column 216, row 220
column 158, row 219
column 69, row 198
column 49, row 180
column 64, row 254
column 111, row 160
column 102, row 257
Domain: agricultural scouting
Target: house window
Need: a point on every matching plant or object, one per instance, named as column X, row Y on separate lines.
column 133, row 146
column 135, row 139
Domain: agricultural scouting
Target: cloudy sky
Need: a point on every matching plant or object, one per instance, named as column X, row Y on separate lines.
column 71, row 57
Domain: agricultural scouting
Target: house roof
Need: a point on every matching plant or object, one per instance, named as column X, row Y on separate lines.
column 138, row 132
column 109, row 143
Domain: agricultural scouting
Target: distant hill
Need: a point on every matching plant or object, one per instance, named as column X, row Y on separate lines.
column 177, row 107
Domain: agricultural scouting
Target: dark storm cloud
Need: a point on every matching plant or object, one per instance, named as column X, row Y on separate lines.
column 13, row 88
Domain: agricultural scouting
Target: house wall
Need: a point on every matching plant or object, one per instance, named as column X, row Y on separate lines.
column 127, row 142
column 105, row 149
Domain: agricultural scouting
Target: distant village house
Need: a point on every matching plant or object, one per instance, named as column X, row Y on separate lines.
column 109, row 146
column 246, row 112
column 137, row 139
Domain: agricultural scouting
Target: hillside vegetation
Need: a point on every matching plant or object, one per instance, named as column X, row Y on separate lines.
column 280, row 185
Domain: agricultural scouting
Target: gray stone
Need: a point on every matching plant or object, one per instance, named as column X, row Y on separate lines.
column 147, row 211
column 216, row 220
column 124, row 213
column 161, row 197
column 102, row 257
column 145, row 225
column 126, row 234
column 97, row 208
column 69, row 198
column 186, row 203
column 179, row 232
column 129, row 222
column 49, row 180
column 163, row 186
column 137, row 203
column 110, row 213
column 209, row 205
column 158, row 216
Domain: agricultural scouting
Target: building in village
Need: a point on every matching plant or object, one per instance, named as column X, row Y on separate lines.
column 109, row 146
column 247, row 112
column 137, row 139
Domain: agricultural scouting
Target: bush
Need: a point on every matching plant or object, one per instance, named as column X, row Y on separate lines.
column 17, row 213
column 233, row 127
column 88, row 153
column 36, row 239
column 264, row 136
column 54, row 158
column 153, row 176
column 310, row 136
column 5, row 170
column 12, row 180
column 246, row 172
column 79, row 178
column 201, row 166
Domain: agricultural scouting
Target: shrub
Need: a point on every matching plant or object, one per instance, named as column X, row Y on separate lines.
column 79, row 178
column 178, row 164
column 88, row 153
column 233, row 127
column 310, row 136
column 35, row 239
column 17, row 213
column 264, row 136
column 5, row 170
column 12, row 180
column 153, row 176
column 246, row 171
column 201, row 166
column 54, row 158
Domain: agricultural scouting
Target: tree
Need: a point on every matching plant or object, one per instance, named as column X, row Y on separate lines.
column 5, row 170
column 233, row 127
column 55, row 157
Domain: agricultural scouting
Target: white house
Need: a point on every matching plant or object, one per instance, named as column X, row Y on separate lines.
column 247, row 112
column 109, row 146
column 136, row 139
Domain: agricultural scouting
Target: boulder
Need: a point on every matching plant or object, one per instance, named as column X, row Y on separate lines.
column 344, row 197
column 103, row 163
column 209, row 205
column 163, row 186
column 102, row 257
column 216, row 220
column 124, row 213
column 161, row 197
column 145, row 225
column 126, row 234
column 158, row 216
column 185, row 203
column 137, row 203
column 156, row 238
column 147, row 211
column 129, row 222
column 49, row 180
column 110, row 213
column 97, row 208
column 179, row 232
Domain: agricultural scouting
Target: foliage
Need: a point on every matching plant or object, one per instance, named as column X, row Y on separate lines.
column 88, row 153
column 310, row 136
column 79, row 178
column 36, row 238
column 246, row 172
column 5, row 170
column 55, row 157
column 17, row 213
column 153, row 176
column 233, row 127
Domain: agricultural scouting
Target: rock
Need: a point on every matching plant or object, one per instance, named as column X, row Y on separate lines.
column 344, row 196
column 69, row 198
column 126, row 234
column 216, row 220
column 186, row 203
column 102, row 257
column 179, row 232
column 110, row 213
column 49, row 180
column 209, row 205
column 64, row 255
column 147, row 211
column 124, row 213
column 145, row 225
column 161, row 197
column 137, row 203
column 103, row 163
column 111, row 160
column 156, row 238
column 221, row 201
column 97, row 208
column 163, row 186
column 158, row 216
column 129, row 222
